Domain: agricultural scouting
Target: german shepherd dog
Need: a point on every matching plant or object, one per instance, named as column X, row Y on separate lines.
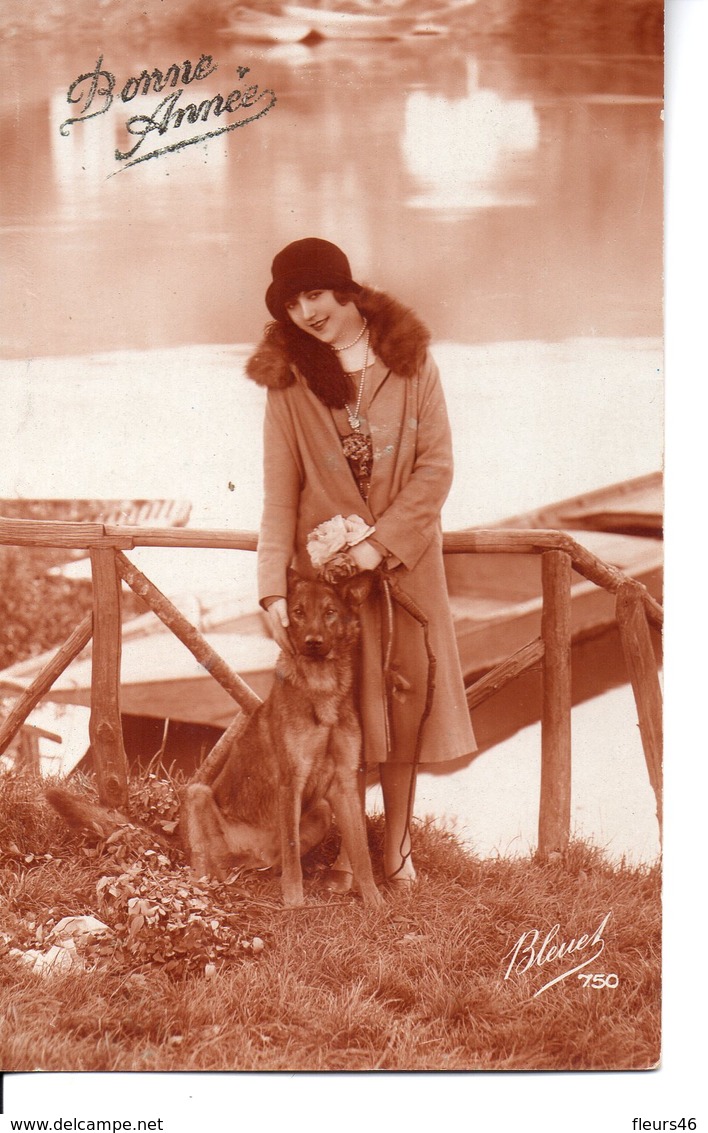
column 294, row 763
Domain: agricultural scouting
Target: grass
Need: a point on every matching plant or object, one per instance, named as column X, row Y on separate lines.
column 222, row 977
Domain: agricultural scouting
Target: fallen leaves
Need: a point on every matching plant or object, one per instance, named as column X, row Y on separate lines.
column 153, row 913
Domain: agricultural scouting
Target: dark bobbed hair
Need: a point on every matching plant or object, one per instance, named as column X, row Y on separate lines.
column 316, row 360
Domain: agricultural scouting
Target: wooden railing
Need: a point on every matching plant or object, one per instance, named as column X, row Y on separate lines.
column 636, row 610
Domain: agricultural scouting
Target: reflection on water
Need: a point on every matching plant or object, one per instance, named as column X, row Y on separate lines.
column 467, row 151
column 504, row 196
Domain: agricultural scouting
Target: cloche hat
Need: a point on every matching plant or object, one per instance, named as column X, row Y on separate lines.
column 305, row 265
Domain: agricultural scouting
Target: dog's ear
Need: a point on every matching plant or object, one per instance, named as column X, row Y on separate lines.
column 356, row 589
column 292, row 578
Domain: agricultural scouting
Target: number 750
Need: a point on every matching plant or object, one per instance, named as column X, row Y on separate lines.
column 599, row 980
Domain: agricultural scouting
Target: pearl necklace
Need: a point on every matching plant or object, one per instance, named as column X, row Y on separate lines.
column 353, row 414
column 349, row 345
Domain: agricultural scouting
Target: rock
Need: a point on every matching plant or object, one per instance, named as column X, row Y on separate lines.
column 81, row 929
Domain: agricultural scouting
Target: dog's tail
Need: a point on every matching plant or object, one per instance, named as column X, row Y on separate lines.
column 82, row 814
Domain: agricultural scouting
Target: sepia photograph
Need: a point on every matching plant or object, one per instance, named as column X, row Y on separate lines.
column 331, row 539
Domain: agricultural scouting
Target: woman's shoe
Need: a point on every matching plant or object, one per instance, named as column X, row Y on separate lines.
column 337, row 880
column 397, row 884
column 401, row 884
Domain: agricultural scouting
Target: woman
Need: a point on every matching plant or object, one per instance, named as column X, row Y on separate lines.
column 356, row 424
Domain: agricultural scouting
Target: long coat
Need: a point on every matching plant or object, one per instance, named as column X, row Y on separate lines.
column 307, row 480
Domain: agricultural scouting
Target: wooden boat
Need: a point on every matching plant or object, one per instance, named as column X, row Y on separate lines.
column 634, row 507
column 161, row 678
column 496, row 602
column 251, row 26
column 296, row 24
column 215, row 590
column 325, row 23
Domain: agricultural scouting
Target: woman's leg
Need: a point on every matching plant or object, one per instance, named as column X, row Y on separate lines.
column 398, row 782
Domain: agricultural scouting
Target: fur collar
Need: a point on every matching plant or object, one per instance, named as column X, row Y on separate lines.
column 398, row 337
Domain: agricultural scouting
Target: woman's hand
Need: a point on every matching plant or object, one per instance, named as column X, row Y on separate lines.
column 365, row 555
column 277, row 611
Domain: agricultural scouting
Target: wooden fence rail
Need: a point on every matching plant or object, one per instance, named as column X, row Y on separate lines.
column 560, row 554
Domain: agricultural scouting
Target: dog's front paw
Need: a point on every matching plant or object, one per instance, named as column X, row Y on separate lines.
column 372, row 897
column 293, row 897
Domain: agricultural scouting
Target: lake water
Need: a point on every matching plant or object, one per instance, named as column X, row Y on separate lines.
column 504, row 196
column 514, row 200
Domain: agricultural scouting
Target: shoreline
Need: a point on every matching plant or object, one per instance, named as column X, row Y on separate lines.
column 532, row 422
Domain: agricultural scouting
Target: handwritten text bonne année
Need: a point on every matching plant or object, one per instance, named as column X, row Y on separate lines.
column 94, row 92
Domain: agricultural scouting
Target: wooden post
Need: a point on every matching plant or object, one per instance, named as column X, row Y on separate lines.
column 554, row 809
column 105, row 729
column 209, row 769
column 28, row 762
column 643, row 673
column 42, row 683
column 198, row 646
